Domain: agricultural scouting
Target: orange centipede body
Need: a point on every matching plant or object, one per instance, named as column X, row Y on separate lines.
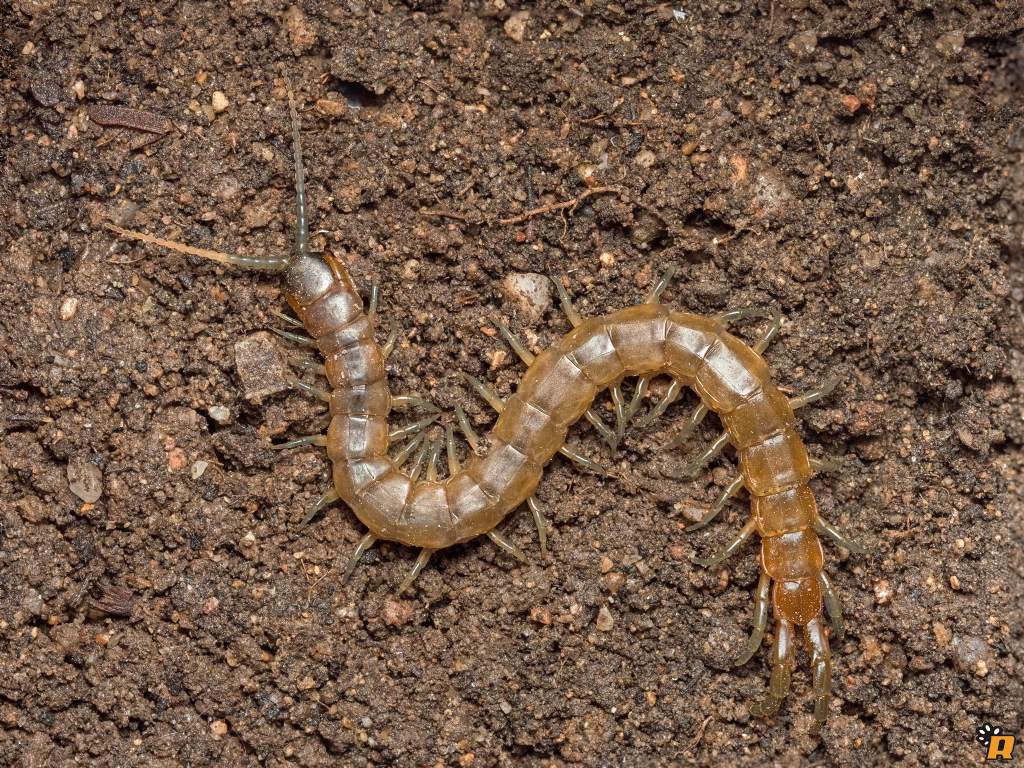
column 557, row 390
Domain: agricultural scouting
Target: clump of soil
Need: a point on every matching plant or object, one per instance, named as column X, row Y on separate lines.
column 858, row 167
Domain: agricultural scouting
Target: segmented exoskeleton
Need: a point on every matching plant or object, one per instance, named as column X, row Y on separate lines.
column 557, row 390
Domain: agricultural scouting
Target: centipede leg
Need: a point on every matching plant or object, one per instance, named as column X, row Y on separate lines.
column 570, row 311
column 620, row 414
column 294, row 322
column 692, row 467
column 435, row 453
column 329, row 497
column 517, row 346
column 373, row 303
column 413, row 401
column 317, row 392
column 453, row 458
column 814, row 394
column 364, row 544
column 638, row 397
column 309, row 365
column 782, row 671
column 297, row 338
column 583, row 461
column 730, row 490
column 417, row 568
column 421, row 458
column 761, row 604
column 821, row 668
column 730, row 548
column 691, row 424
column 403, row 455
column 832, row 605
column 467, row 429
column 670, row 397
column 507, row 546
column 606, row 432
column 411, row 429
column 823, row 527
column 318, row 440
column 538, row 520
column 654, row 297
column 488, row 394
column 389, row 344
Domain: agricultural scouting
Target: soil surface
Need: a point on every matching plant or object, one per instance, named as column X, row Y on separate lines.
column 857, row 166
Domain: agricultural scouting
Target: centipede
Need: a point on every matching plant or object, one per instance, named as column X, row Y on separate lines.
column 420, row 508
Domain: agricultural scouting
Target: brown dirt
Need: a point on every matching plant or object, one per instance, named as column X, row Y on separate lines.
column 857, row 166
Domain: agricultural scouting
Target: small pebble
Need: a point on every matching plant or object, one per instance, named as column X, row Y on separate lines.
column 85, row 479
column 260, row 367
column 515, row 25
column 218, row 728
column 971, row 654
column 219, row 102
column 605, row 620
column 505, row 707
column 68, row 308
column 219, row 413
column 198, row 468
column 950, row 44
column 529, row 291
column 397, row 612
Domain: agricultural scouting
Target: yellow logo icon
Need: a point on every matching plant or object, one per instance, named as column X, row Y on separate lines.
column 998, row 745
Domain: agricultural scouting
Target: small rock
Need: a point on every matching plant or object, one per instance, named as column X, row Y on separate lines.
column 85, row 479
column 219, row 102
column 505, row 707
column 301, row 35
column 331, row 107
column 79, row 89
column 397, row 612
column 46, row 93
column 803, row 43
column 950, row 44
column 515, row 25
column 218, row 728
column 260, row 367
column 606, row 564
column 530, row 291
column 645, row 158
column 883, row 592
column 68, row 308
column 605, row 621
column 850, row 103
column 971, row 654
column 219, row 413
column 198, row 468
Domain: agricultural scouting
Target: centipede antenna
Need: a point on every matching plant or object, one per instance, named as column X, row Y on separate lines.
column 832, row 605
column 732, row 315
column 364, row 544
column 245, row 262
column 409, row 429
column 603, row 429
column 317, row 392
column 656, row 413
column 417, row 568
column 301, row 223
column 467, row 428
column 761, row 604
column 691, row 424
column 507, row 546
column 538, row 520
column 814, row 394
column 485, row 392
column 692, row 467
column 729, row 549
column 517, row 346
column 583, row 461
column 318, row 440
column 329, row 497
column 403, row 455
column 292, row 321
column 453, row 458
column 566, row 301
column 298, row 338
column 731, row 490
column 654, row 297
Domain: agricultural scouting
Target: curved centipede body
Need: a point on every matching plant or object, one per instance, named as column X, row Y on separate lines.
column 558, row 388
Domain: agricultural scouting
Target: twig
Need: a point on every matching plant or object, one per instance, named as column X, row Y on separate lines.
column 444, row 214
column 700, row 735
column 567, row 204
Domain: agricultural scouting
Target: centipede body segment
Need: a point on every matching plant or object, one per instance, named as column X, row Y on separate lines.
column 650, row 339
